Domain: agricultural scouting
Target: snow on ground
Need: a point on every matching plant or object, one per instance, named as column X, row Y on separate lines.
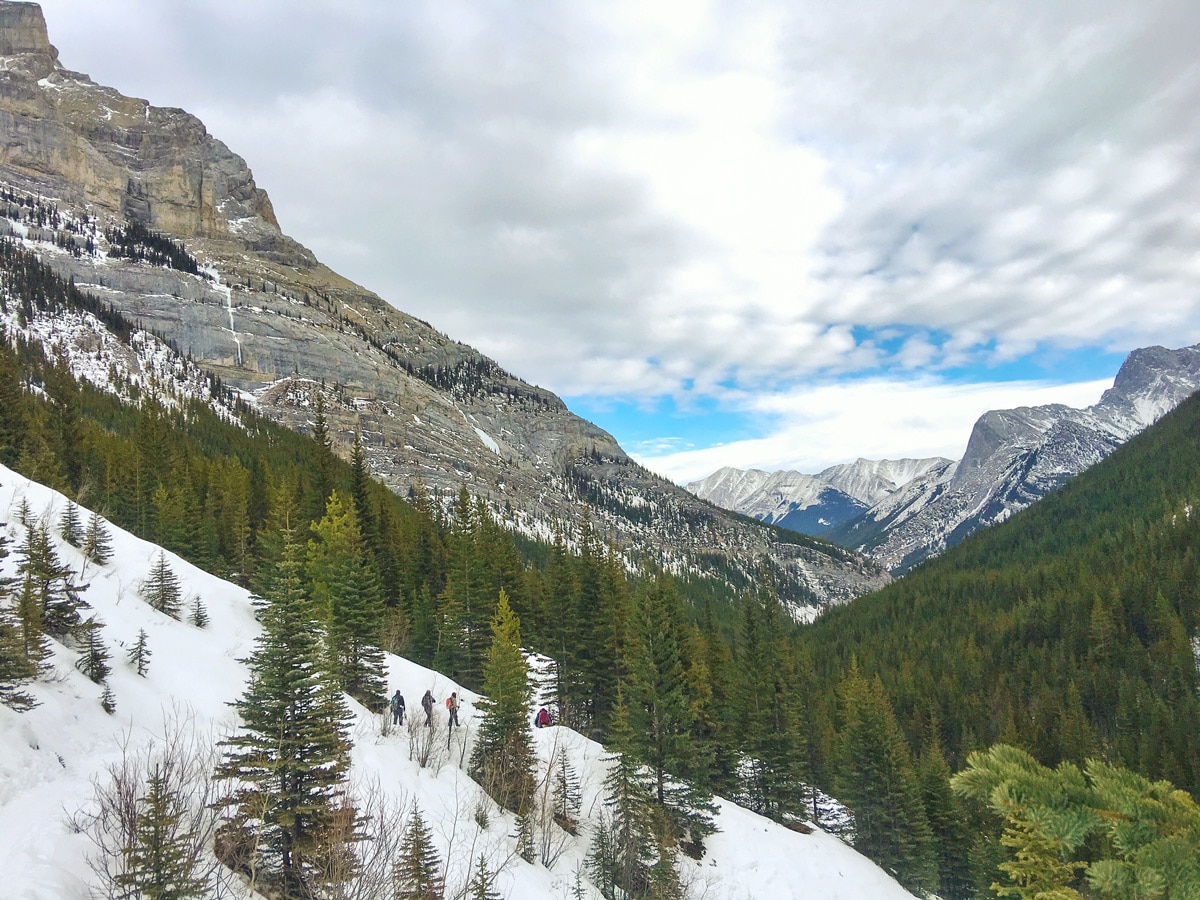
column 49, row 755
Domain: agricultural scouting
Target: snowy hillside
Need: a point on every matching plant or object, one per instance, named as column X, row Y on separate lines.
column 50, row 755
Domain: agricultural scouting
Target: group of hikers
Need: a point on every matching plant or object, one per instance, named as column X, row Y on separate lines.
column 542, row 719
column 397, row 706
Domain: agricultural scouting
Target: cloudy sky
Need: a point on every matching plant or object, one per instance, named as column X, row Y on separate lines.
column 779, row 235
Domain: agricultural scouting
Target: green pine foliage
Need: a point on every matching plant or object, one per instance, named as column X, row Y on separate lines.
column 108, row 700
column 198, row 617
column 418, row 873
column 161, row 588
column 1064, row 630
column 139, row 653
column 502, row 760
column 663, row 711
column 97, row 542
column 480, row 887
column 69, row 527
column 93, row 655
column 55, row 593
column 288, row 763
column 17, row 665
column 879, row 783
column 1130, row 837
column 347, row 594
column 158, row 863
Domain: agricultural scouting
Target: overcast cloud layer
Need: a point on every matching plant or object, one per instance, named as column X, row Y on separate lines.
column 731, row 204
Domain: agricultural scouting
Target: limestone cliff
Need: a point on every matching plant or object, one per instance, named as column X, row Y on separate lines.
column 272, row 321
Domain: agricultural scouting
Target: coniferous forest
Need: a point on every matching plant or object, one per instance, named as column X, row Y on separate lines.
column 1045, row 660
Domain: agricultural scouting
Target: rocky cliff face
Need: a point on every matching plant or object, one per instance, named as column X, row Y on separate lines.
column 270, row 320
column 1015, row 457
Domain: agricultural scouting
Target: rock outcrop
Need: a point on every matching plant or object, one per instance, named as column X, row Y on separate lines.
column 273, row 322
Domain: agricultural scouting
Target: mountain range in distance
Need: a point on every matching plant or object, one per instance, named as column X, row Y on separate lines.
column 900, row 512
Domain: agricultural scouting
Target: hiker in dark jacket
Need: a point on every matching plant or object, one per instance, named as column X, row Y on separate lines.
column 427, row 705
column 397, row 708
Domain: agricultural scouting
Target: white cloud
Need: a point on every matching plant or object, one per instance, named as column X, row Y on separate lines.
column 815, row 427
column 631, row 200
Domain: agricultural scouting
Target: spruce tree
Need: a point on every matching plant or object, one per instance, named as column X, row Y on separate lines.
column 69, row 527
column 157, row 863
column 139, row 653
column 108, row 700
column 93, row 655
column 503, row 758
column 418, row 873
column 662, row 712
column 161, row 588
column 16, row 667
column 630, row 836
column 345, row 589
column 480, row 887
column 879, row 784
column 199, row 614
column 53, row 584
column 288, row 762
column 97, row 543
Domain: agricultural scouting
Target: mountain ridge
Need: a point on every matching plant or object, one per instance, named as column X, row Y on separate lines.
column 271, row 321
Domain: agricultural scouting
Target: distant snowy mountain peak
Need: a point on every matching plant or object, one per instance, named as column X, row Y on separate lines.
column 899, row 512
column 810, row 504
column 1015, row 457
column 52, row 756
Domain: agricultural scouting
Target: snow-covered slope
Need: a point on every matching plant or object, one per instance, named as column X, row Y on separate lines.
column 50, row 755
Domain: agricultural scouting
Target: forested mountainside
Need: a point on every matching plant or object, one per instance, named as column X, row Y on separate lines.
column 112, row 416
column 1015, row 457
column 259, row 312
column 1070, row 630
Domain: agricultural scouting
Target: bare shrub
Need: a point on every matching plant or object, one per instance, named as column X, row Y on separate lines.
column 182, row 760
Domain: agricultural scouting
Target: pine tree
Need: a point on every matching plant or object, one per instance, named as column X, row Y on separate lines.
column 158, row 865
column 53, row 584
column 629, row 846
column 108, row 700
column 418, row 874
column 93, row 655
column 662, row 712
column 879, row 785
column 161, row 589
column 16, row 666
column 346, row 592
column 199, row 614
column 97, row 543
column 139, row 653
column 947, row 823
column 290, row 759
column 503, row 758
column 480, row 887
column 68, row 525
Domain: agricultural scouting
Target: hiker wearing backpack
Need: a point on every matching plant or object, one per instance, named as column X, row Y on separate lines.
column 427, row 705
column 452, row 705
column 397, row 708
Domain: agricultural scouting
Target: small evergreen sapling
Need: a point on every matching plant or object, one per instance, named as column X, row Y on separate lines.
column 97, row 543
column 108, row 700
column 139, row 654
column 161, row 588
column 418, row 873
column 199, row 614
column 93, row 657
column 69, row 526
